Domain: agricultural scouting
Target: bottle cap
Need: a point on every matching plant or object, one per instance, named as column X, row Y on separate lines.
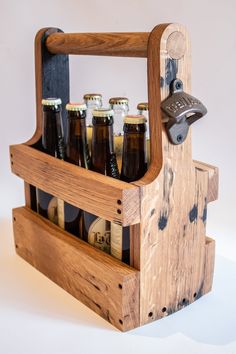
column 143, row 106
column 135, row 119
column 76, row 107
column 118, row 100
column 92, row 96
column 51, row 101
column 103, row 112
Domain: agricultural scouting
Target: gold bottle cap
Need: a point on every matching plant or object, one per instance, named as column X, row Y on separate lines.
column 92, row 96
column 51, row 101
column 134, row 119
column 143, row 106
column 103, row 112
column 118, row 100
column 76, row 107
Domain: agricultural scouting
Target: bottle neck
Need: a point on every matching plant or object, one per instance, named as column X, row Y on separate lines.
column 53, row 135
column 77, row 147
column 134, row 161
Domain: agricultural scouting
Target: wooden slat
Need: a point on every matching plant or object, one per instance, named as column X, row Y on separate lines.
column 107, row 286
column 208, row 266
column 85, row 189
column 213, row 179
column 112, row 44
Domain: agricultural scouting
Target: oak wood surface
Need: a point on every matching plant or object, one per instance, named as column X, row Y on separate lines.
column 103, row 196
column 213, row 179
column 107, row 286
column 175, row 260
column 112, row 44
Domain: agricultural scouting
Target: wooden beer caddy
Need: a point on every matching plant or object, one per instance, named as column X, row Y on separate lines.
column 172, row 260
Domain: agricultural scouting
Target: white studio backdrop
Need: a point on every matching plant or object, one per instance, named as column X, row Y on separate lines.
column 212, row 29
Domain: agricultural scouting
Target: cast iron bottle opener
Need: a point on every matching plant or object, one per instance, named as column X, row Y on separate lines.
column 182, row 110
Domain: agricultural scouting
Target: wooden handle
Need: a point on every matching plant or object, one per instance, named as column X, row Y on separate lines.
column 107, row 44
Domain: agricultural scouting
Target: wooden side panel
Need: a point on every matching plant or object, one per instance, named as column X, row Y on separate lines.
column 173, row 260
column 107, row 286
column 103, row 196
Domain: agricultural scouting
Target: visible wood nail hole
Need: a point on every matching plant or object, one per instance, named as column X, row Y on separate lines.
column 16, row 246
column 195, row 294
column 150, row 314
column 121, row 322
column 12, row 163
column 14, row 218
column 119, row 202
column 164, row 309
column 183, row 301
column 118, row 211
column 11, row 155
column 120, row 286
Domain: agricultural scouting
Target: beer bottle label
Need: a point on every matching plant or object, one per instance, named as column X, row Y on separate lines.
column 52, row 210
column 116, row 241
column 56, row 212
column 61, row 213
column 99, row 234
column 118, row 141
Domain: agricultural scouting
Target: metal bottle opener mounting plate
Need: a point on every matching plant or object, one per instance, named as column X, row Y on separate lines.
column 182, row 110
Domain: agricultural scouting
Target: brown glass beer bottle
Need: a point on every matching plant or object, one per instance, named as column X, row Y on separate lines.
column 52, row 144
column 103, row 160
column 78, row 154
column 134, row 166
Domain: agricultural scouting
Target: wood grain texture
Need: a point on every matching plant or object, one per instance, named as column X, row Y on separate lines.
column 107, row 286
column 176, row 45
column 213, row 179
column 112, row 44
column 88, row 190
column 174, row 260
column 51, row 79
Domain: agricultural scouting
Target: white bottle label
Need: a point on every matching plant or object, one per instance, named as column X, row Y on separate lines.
column 56, row 212
column 99, row 234
column 116, row 241
column 61, row 213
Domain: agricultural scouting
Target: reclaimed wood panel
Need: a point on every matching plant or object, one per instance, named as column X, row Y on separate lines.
column 174, row 194
column 107, row 286
column 106, row 197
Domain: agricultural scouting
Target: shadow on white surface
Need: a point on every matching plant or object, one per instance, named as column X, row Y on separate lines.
column 26, row 290
column 210, row 320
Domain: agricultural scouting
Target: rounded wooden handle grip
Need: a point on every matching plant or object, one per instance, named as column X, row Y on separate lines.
column 106, row 44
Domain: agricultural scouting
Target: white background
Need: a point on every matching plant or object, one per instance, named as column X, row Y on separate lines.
column 36, row 316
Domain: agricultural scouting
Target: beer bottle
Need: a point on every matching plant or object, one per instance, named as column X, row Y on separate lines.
column 78, row 154
column 92, row 101
column 134, row 166
column 134, row 160
column 52, row 144
column 143, row 109
column 103, row 160
column 120, row 106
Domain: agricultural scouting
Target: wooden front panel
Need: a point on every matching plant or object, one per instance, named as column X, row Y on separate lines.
column 107, row 286
column 103, row 196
